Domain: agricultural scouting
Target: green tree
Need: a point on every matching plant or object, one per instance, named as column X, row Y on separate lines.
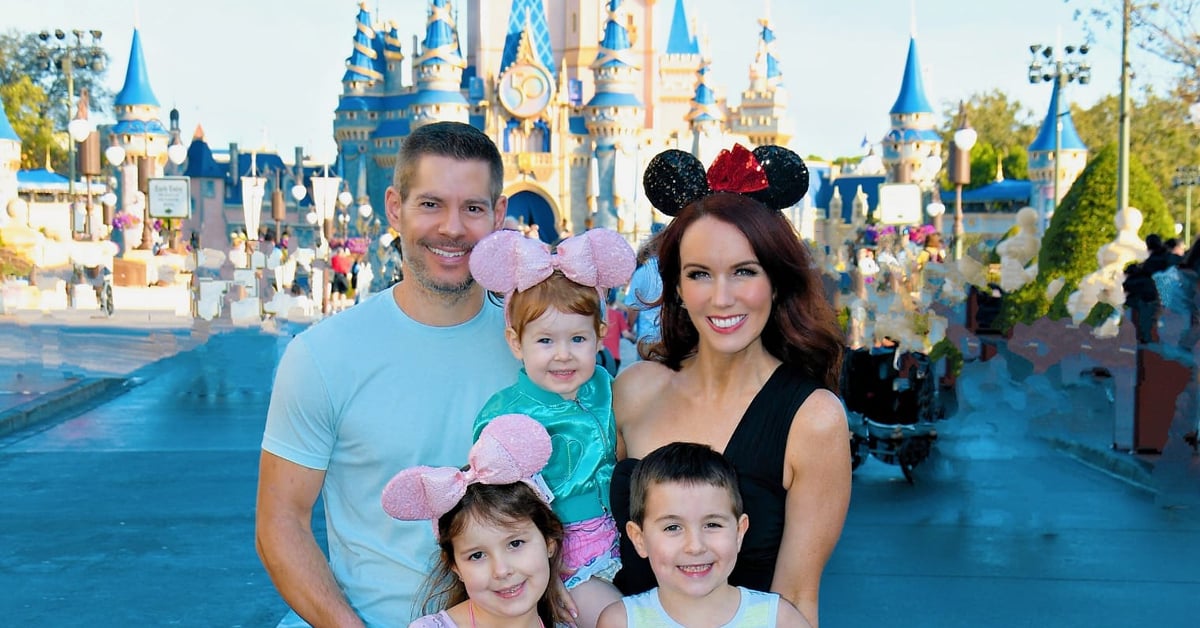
column 1084, row 221
column 34, row 88
column 1004, row 129
column 1159, row 134
column 23, row 101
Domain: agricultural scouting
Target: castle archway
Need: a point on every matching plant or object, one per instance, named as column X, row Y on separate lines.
column 532, row 208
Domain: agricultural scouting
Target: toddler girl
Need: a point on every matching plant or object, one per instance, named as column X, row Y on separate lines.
column 555, row 306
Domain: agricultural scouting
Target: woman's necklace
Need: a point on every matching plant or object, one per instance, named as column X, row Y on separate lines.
column 471, row 613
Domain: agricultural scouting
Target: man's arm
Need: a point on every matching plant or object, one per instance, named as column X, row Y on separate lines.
column 284, row 539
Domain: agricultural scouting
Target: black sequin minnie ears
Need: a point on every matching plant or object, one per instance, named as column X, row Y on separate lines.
column 771, row 175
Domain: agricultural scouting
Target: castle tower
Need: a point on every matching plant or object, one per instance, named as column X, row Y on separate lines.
column 912, row 137
column 138, row 129
column 762, row 114
column 677, row 72
column 705, row 118
column 1041, row 158
column 10, row 160
column 362, row 71
column 393, row 58
column 613, row 119
column 439, row 71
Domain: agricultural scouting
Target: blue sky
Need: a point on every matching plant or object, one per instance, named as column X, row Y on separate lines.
column 249, row 69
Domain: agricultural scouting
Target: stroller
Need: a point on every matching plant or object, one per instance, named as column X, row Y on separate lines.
column 100, row 278
column 892, row 401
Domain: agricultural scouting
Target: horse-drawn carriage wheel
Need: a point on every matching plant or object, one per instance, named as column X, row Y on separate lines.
column 858, row 453
column 106, row 299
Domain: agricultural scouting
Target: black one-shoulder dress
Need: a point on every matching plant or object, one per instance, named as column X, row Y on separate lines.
column 756, row 449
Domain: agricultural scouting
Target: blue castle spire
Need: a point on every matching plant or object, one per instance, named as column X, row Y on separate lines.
column 615, row 49
column 767, row 44
column 440, row 46
column 912, row 88
column 682, row 41
column 137, row 81
column 1069, row 138
column 704, row 103
column 361, row 66
column 6, row 130
column 533, row 14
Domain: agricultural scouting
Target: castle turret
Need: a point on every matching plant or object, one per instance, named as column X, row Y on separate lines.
column 439, row 71
column 10, row 160
column 613, row 119
column 138, row 129
column 1073, row 154
column 393, row 58
column 705, row 118
column 912, row 137
column 677, row 69
column 362, row 73
column 762, row 115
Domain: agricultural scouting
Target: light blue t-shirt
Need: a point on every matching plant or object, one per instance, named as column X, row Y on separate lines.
column 644, row 288
column 756, row 610
column 363, row 395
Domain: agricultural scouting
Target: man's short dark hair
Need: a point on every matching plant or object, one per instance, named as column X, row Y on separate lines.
column 447, row 139
column 681, row 463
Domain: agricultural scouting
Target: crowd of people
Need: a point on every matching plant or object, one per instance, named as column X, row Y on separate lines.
column 709, row 481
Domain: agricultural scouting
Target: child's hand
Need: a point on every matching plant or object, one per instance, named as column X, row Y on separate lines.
column 569, row 606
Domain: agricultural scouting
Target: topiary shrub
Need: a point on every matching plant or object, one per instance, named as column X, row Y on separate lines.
column 1084, row 221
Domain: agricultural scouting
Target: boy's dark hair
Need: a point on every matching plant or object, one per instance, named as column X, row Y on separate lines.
column 681, row 463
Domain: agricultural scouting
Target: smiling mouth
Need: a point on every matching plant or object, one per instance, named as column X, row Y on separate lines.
column 695, row 570
column 562, row 374
column 445, row 253
column 726, row 322
column 511, row 592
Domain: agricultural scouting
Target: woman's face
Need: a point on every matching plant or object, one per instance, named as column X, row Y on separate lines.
column 724, row 289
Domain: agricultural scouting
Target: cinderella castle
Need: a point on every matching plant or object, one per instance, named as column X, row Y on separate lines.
column 577, row 108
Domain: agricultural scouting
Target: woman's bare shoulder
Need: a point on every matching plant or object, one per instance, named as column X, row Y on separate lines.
column 637, row 386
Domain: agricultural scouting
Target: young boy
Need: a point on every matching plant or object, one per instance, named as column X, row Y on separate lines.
column 686, row 518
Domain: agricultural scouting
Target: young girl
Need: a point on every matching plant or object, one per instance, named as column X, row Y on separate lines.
column 500, row 542
column 554, row 304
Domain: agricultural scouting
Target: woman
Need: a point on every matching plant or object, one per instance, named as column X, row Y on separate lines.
column 748, row 358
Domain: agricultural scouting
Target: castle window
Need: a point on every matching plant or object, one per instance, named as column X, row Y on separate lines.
column 209, row 189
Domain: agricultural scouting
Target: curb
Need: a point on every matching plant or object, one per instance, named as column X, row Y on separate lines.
column 56, row 402
column 1122, row 466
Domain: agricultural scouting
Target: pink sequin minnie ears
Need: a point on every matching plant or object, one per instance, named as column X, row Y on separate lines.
column 507, row 261
column 771, row 175
column 512, row 448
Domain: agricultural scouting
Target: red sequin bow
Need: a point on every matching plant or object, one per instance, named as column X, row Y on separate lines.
column 736, row 171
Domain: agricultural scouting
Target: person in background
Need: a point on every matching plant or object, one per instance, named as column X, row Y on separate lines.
column 643, row 297
column 334, row 427
column 618, row 329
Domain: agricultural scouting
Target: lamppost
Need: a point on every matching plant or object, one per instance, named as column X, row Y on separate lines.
column 1189, row 177
column 115, row 156
column 68, row 56
column 960, row 171
column 926, row 177
column 1065, row 67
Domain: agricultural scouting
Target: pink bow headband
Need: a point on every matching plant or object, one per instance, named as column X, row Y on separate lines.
column 508, row 262
column 511, row 448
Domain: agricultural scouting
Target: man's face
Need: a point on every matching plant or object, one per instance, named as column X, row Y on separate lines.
column 448, row 210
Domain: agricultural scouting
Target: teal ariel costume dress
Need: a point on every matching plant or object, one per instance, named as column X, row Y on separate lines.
column 583, row 435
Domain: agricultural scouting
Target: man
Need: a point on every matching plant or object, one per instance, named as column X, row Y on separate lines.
column 392, row 383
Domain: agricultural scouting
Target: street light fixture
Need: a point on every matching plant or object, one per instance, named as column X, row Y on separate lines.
column 1066, row 67
column 69, row 56
column 1189, row 177
column 960, row 171
column 325, row 195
